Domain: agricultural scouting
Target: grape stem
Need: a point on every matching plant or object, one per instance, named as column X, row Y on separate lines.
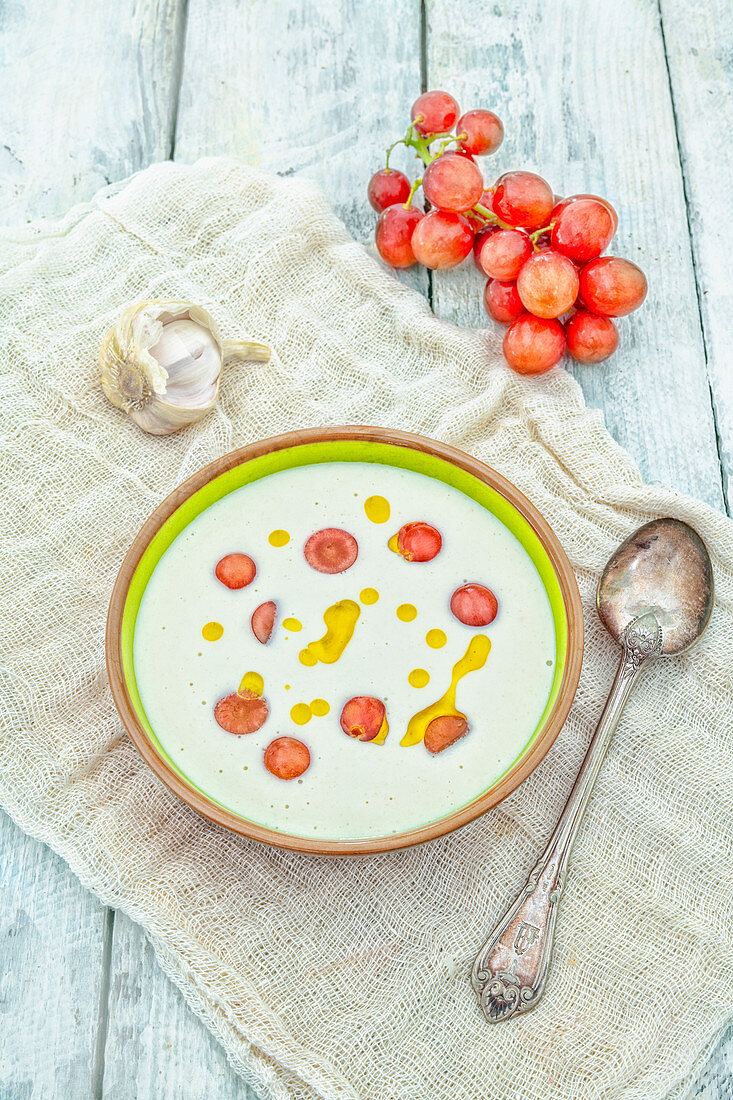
column 408, row 201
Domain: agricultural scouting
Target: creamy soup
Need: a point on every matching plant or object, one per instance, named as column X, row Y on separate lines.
column 194, row 645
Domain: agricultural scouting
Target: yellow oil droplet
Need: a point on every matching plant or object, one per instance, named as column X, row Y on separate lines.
column 278, row 538
column 340, row 620
column 377, row 509
column 292, row 624
column 287, row 687
column 393, row 544
column 212, row 631
column 406, row 612
column 368, row 595
column 474, row 658
column 300, row 714
column 418, row 678
column 382, row 735
column 436, row 638
column 252, row 683
column 319, row 707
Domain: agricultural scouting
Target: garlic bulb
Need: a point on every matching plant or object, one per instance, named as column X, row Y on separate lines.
column 162, row 361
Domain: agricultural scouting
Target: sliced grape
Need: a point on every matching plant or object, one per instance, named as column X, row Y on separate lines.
column 263, row 621
column 444, row 731
column 474, row 604
column 419, row 541
column 362, row 717
column 236, row 570
column 287, row 758
column 331, row 550
column 241, row 714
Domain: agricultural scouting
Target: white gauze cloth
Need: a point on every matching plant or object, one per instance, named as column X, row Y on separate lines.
column 348, row 978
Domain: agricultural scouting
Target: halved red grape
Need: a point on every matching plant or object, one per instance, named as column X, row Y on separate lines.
column 582, row 230
column 362, row 717
column 484, row 132
column 533, row 345
column 502, row 301
column 331, row 550
column 444, row 731
column 287, row 758
column 474, row 604
column 387, row 187
column 419, row 541
column 235, row 570
column 612, row 287
column 503, row 252
column 523, row 199
column 441, row 239
column 394, row 233
column 590, row 338
column 548, row 284
column 434, row 112
column 560, row 205
column 263, row 621
column 452, row 183
column 241, row 714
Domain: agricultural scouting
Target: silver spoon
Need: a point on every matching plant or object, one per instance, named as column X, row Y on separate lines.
column 654, row 598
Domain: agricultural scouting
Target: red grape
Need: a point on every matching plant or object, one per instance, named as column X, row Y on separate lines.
column 394, row 234
column 263, row 621
column 434, row 112
column 481, row 233
column 612, row 286
column 388, row 187
column 241, row 714
column 474, row 604
column 441, row 239
column 444, row 731
column 503, row 252
column 560, row 205
column 523, row 199
column 235, row 570
column 582, row 230
column 484, row 132
column 590, row 339
column 363, row 717
column 331, row 550
column 419, row 541
column 548, row 284
column 502, row 301
column 452, row 183
column 287, row 757
column 533, row 345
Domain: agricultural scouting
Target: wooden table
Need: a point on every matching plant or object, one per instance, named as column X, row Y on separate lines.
column 630, row 99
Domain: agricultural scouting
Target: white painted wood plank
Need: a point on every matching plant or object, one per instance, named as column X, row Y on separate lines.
column 698, row 36
column 303, row 87
column 87, row 96
column 583, row 92
column 52, row 934
column 156, row 1048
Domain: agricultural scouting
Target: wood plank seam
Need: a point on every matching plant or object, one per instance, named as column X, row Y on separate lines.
column 693, row 258
column 177, row 80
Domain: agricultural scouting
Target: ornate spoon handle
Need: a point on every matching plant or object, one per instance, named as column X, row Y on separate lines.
column 510, row 971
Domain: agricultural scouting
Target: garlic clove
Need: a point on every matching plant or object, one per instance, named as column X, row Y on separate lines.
column 161, row 363
column 192, row 358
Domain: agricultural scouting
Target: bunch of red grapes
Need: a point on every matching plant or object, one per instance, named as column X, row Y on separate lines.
column 542, row 254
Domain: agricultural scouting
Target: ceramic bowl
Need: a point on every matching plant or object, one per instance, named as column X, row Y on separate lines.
column 381, row 446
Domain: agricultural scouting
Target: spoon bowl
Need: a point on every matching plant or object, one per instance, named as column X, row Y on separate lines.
column 663, row 568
